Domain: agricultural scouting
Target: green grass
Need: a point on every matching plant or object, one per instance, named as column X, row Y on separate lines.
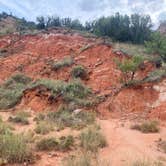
column 131, row 49
column 66, row 62
column 20, row 117
column 74, row 91
column 79, row 72
column 50, row 144
column 5, row 128
column 147, row 127
column 92, row 140
column 156, row 75
column 66, row 118
column 14, row 149
column 44, row 127
column 47, row 144
column 11, row 91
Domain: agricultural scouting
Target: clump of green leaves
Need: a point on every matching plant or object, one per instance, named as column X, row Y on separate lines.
column 156, row 75
column 157, row 45
column 20, row 117
column 79, row 72
column 65, row 118
column 14, row 149
column 43, row 127
column 66, row 62
column 92, row 139
column 129, row 67
column 147, row 127
column 49, row 144
column 11, row 91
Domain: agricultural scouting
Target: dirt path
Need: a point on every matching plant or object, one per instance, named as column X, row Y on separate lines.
column 126, row 145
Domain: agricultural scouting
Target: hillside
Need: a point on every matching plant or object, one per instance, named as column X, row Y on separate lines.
column 8, row 24
column 30, row 67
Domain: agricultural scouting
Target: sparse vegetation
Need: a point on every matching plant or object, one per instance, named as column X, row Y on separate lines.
column 156, row 75
column 11, row 91
column 79, row 72
column 129, row 68
column 157, row 45
column 14, row 149
column 65, row 143
column 5, row 128
column 66, row 62
column 147, row 127
column 66, row 118
column 20, row 117
column 44, row 127
column 49, row 144
column 92, row 139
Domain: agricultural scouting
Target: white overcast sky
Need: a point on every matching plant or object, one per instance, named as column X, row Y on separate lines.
column 84, row 9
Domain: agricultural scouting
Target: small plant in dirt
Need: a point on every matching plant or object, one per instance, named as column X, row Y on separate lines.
column 147, row 127
column 47, row 144
column 40, row 117
column 129, row 68
column 11, row 91
column 79, row 72
column 65, row 118
column 44, row 127
column 73, row 91
column 156, row 75
column 65, row 143
column 5, row 128
column 20, row 117
column 14, row 149
column 92, row 140
column 66, row 62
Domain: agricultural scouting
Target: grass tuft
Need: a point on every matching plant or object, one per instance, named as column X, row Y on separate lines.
column 147, row 127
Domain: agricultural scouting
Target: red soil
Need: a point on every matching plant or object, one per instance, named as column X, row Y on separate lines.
column 31, row 55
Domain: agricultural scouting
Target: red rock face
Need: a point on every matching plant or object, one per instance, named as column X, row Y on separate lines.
column 31, row 54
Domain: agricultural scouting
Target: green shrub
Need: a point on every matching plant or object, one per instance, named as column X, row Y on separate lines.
column 5, row 129
column 65, row 118
column 14, row 149
column 92, row 139
column 79, row 72
column 66, row 143
column 66, row 62
column 156, row 75
column 11, row 91
column 47, row 144
column 20, row 117
column 129, row 67
column 43, row 127
column 157, row 45
column 147, row 127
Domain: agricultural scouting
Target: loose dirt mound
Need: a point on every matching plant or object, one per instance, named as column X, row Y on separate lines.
column 33, row 54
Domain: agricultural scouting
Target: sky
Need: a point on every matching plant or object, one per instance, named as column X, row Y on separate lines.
column 85, row 10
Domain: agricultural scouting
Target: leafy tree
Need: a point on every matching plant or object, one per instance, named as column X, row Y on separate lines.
column 157, row 45
column 129, row 68
column 41, row 22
